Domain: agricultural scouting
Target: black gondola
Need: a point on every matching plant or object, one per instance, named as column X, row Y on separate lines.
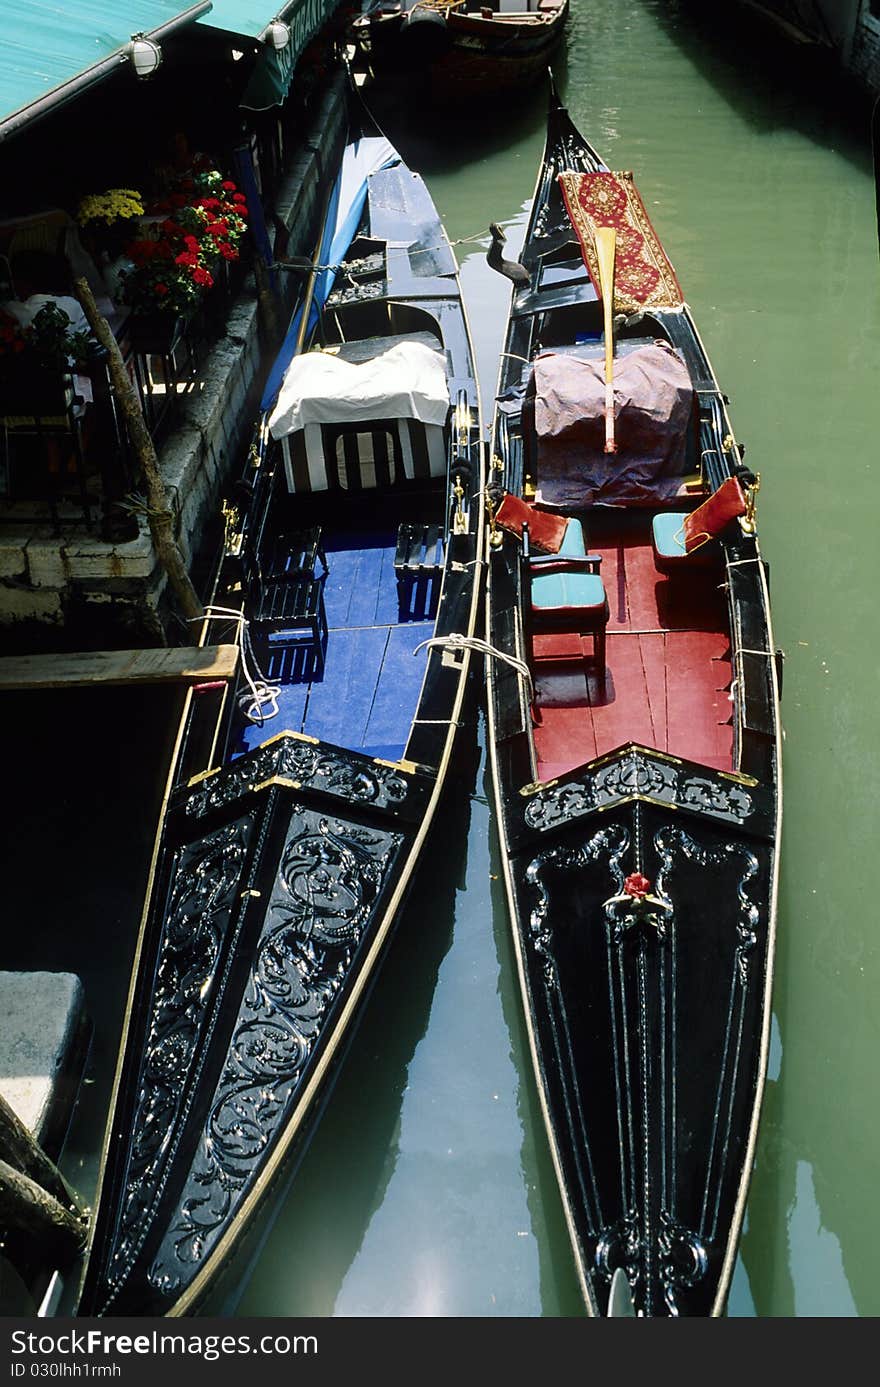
column 635, row 746
column 302, row 794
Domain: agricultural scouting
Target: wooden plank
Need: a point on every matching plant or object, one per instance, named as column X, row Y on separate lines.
column 339, row 705
column 653, row 652
column 187, row 664
column 621, row 710
column 699, row 708
column 398, row 686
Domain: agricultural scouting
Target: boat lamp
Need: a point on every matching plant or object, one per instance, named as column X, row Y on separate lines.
column 277, row 34
column 145, row 55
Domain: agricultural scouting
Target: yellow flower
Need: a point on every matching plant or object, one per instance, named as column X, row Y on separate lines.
column 116, row 204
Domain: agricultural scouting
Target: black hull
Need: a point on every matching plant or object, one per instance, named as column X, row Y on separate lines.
column 279, row 877
column 279, row 880
column 647, row 1022
column 648, row 1016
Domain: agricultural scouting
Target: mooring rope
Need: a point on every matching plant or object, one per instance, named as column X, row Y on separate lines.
column 260, row 702
column 456, row 641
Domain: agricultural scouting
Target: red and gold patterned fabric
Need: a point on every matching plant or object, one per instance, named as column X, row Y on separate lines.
column 714, row 515
column 546, row 531
column 643, row 277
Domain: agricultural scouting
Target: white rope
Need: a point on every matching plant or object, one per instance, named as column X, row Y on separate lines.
column 260, row 702
column 456, row 641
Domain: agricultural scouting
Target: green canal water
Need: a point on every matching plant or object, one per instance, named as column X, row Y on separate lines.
column 428, row 1189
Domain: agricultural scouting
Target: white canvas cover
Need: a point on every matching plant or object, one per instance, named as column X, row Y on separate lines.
column 407, row 380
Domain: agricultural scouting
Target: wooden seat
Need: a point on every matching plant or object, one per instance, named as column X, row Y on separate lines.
column 667, row 541
column 418, row 566
column 565, row 593
column 285, row 596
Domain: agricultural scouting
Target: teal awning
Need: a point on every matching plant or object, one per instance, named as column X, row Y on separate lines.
column 52, row 49
column 248, row 17
column 272, row 74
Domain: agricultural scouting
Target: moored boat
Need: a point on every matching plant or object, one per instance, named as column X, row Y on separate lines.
column 461, row 51
column 302, row 793
column 635, row 743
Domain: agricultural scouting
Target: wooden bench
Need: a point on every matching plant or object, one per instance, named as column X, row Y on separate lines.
column 418, row 566
column 285, row 596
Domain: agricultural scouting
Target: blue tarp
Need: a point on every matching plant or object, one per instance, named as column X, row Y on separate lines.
column 44, row 45
column 347, row 200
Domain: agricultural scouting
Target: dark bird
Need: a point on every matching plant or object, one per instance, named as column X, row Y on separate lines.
column 511, row 269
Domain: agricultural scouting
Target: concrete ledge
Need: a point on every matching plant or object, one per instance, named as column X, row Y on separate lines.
column 43, row 1038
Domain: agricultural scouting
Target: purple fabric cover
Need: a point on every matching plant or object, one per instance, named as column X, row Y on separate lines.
column 653, row 401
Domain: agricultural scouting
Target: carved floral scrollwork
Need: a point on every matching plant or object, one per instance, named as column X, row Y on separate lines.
column 326, row 892
column 632, row 774
column 684, row 1260
column 307, row 764
column 621, row 1245
column 610, row 843
column 202, row 896
column 725, row 800
column 569, row 801
column 675, row 844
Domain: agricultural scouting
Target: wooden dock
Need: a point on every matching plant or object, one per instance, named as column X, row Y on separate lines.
column 183, row 664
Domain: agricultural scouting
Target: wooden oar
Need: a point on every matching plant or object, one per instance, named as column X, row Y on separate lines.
column 606, row 245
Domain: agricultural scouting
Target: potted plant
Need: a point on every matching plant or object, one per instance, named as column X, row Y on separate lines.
column 37, row 361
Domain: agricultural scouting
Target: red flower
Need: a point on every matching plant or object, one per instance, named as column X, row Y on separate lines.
column 637, row 886
column 142, row 252
column 160, row 288
column 202, row 277
column 239, row 197
column 227, row 186
column 191, row 243
column 228, row 252
column 186, row 257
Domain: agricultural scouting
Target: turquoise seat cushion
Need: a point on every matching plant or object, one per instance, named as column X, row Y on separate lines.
column 567, row 590
column 572, row 546
column 668, row 538
column 668, row 534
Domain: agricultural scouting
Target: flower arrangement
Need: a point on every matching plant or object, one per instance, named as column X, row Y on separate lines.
column 202, row 223
column 48, row 341
column 114, row 205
